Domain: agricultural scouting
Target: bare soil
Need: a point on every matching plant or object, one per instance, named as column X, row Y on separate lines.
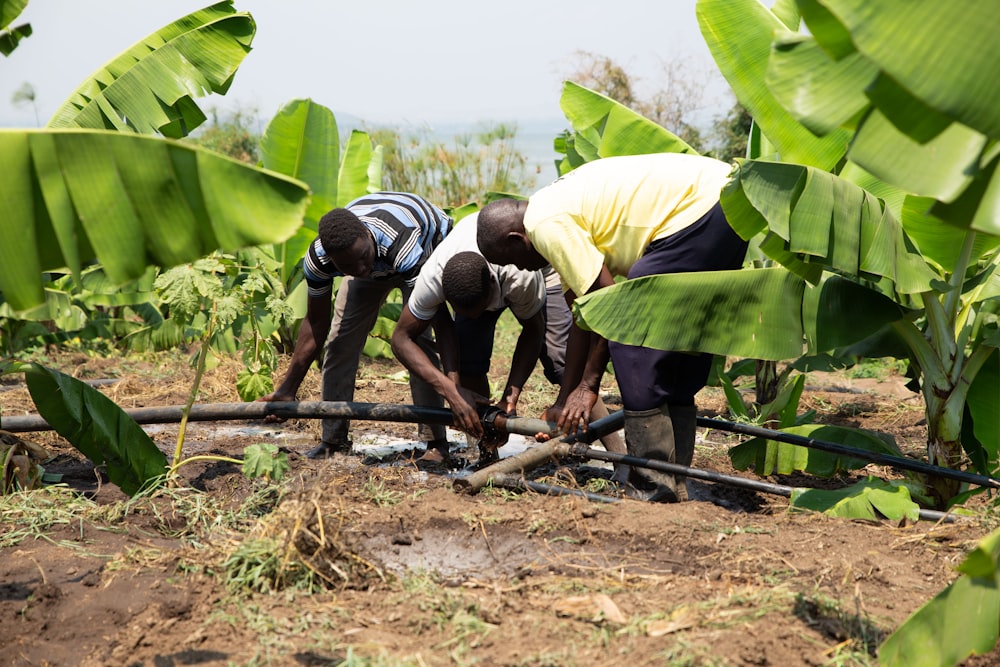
column 359, row 561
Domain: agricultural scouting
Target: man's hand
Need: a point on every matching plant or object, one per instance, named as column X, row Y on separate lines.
column 277, row 396
column 576, row 411
column 466, row 414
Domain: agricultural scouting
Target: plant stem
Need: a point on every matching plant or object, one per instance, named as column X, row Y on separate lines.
column 176, row 466
column 192, row 397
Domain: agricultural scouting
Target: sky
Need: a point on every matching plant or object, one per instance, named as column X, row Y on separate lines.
column 388, row 62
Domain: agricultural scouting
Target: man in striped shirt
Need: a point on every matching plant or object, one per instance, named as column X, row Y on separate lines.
column 378, row 242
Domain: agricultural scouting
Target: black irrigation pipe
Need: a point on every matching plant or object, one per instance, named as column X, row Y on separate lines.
column 834, row 448
column 706, row 475
column 523, row 426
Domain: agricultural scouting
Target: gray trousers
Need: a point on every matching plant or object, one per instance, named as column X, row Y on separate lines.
column 354, row 314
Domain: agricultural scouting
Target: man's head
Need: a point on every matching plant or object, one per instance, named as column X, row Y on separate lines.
column 466, row 282
column 501, row 236
column 347, row 242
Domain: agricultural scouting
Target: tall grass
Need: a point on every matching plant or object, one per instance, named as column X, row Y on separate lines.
column 455, row 172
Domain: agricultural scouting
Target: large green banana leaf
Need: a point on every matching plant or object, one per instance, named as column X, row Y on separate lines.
column 753, row 313
column 360, row 168
column 739, row 34
column 817, row 221
column 942, row 53
column 917, row 80
column 960, row 621
column 128, row 201
column 149, row 88
column 302, row 141
column 10, row 36
column 96, row 426
column 605, row 128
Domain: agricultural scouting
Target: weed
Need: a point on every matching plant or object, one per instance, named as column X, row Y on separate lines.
column 382, row 496
column 262, row 565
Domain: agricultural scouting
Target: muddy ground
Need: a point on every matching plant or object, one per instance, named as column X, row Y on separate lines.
column 362, row 561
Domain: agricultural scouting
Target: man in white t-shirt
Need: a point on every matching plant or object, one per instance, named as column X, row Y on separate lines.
column 629, row 217
column 456, row 274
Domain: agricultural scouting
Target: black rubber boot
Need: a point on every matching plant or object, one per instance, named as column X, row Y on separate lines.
column 685, row 421
column 649, row 434
column 325, row 450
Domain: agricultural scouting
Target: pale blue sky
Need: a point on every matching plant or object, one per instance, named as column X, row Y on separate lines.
column 386, row 61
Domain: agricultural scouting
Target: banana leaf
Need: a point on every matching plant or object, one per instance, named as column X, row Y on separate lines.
column 753, row 313
column 769, row 457
column 921, row 97
column 128, row 201
column 870, row 499
column 739, row 34
column 606, row 128
column 96, row 426
column 360, row 169
column 149, row 88
column 815, row 221
column 937, row 52
column 960, row 621
column 302, row 141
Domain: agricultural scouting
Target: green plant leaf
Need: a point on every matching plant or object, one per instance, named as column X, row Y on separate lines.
column 302, row 141
column 129, row 201
column 960, row 621
column 252, row 385
column 936, row 51
column 606, row 128
column 870, row 498
column 816, row 220
column 101, row 430
column 356, row 177
column 769, row 457
column 740, row 313
column 265, row 460
column 149, row 87
column 739, row 35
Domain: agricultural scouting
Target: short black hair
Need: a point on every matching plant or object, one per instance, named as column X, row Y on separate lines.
column 339, row 229
column 495, row 220
column 466, row 280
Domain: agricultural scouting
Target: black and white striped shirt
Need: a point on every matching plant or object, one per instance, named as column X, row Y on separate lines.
column 406, row 229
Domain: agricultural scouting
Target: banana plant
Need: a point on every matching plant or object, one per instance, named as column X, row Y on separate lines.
column 927, row 246
column 100, row 190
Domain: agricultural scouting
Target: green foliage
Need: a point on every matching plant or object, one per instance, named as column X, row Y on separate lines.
column 234, row 303
column 962, row 620
column 148, row 88
column 265, row 460
column 231, row 135
column 453, row 173
column 871, row 498
column 769, row 457
column 96, row 426
column 10, row 36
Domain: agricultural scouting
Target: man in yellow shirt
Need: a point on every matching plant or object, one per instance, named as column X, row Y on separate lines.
column 625, row 216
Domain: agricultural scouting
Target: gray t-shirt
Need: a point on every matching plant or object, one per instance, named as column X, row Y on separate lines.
column 521, row 291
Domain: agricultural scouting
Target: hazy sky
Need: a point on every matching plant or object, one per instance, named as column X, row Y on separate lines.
column 386, row 61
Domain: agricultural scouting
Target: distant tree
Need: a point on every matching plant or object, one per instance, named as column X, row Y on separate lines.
column 677, row 94
column 231, row 135
column 24, row 96
column 730, row 133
